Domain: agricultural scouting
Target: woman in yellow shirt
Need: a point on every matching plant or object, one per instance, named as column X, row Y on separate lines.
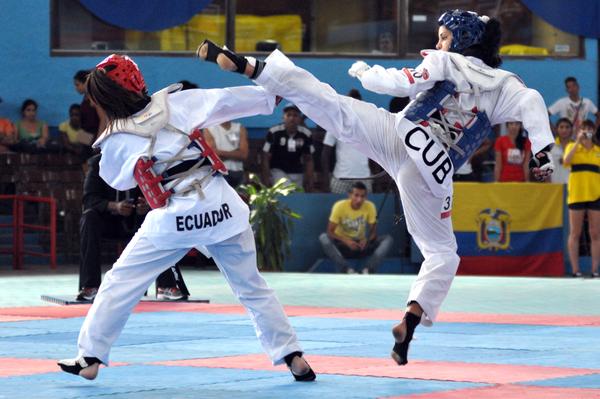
column 583, row 157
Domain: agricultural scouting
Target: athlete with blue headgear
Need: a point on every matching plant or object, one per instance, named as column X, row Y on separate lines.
column 461, row 84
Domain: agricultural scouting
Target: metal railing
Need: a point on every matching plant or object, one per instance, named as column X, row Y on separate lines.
column 19, row 226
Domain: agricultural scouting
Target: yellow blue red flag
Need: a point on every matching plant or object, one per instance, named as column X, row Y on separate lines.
column 509, row 228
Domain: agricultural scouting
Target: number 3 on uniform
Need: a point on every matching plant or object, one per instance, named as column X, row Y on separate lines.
column 447, row 203
column 446, row 207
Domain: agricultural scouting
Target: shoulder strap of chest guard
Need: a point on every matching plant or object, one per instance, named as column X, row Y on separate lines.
column 481, row 78
column 153, row 118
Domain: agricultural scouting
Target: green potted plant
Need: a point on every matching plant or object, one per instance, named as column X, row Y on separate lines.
column 271, row 220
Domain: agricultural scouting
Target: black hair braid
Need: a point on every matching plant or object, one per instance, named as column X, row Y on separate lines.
column 520, row 139
column 488, row 49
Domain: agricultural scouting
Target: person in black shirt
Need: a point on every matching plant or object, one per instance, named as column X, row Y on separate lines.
column 288, row 151
column 90, row 120
column 108, row 213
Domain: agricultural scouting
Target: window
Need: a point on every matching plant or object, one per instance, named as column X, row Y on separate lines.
column 75, row 28
column 365, row 26
column 342, row 27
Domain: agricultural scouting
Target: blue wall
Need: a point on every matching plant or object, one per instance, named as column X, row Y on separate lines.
column 28, row 71
column 315, row 210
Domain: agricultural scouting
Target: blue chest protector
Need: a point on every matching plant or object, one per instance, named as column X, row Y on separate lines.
column 461, row 140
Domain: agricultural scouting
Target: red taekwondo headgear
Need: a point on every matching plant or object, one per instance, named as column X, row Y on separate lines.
column 123, row 71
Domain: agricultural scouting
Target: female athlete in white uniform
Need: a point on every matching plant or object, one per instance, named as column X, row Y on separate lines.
column 155, row 142
column 461, row 81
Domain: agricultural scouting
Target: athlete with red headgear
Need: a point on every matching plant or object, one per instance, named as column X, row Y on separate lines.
column 461, row 80
column 155, row 142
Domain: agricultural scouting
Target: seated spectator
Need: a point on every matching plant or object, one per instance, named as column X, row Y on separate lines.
column 564, row 136
column 230, row 141
column 347, row 236
column 32, row 133
column 288, row 151
column 349, row 163
column 108, row 213
column 71, row 131
column 513, row 153
column 8, row 134
column 583, row 158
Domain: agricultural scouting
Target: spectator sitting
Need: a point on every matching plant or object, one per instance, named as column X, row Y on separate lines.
column 230, row 141
column 573, row 107
column 32, row 133
column 108, row 213
column 71, row 131
column 91, row 123
column 513, row 152
column 583, row 158
column 8, row 134
column 564, row 136
column 346, row 235
column 349, row 163
column 288, row 150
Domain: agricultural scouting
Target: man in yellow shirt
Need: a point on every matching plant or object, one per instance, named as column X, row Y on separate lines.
column 347, row 237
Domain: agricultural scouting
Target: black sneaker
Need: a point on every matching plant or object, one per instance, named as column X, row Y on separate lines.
column 169, row 294
column 87, row 294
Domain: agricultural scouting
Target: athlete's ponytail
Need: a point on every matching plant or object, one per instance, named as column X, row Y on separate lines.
column 116, row 101
column 487, row 50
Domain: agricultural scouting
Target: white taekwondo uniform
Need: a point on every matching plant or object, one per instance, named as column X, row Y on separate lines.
column 217, row 224
column 400, row 146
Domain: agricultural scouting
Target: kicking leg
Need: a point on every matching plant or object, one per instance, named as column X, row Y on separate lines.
column 369, row 129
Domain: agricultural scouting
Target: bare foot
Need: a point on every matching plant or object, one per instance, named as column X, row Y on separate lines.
column 222, row 60
column 225, row 63
column 90, row 372
column 202, row 51
column 399, row 333
column 299, row 366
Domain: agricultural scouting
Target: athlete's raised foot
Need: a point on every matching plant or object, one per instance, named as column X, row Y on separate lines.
column 228, row 60
column 223, row 57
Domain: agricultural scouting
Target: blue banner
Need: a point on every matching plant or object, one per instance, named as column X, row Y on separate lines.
column 147, row 15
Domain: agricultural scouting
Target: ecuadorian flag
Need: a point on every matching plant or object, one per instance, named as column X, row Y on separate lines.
column 509, row 228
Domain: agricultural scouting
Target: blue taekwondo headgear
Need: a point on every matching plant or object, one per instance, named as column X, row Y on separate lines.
column 466, row 26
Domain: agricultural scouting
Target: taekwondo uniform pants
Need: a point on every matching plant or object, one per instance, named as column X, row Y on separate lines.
column 139, row 265
column 381, row 136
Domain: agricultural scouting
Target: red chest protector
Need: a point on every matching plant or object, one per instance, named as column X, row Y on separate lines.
column 151, row 184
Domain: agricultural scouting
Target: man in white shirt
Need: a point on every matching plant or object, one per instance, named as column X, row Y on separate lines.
column 230, row 141
column 574, row 107
column 349, row 163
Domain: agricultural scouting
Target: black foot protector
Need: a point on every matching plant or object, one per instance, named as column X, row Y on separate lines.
column 308, row 376
column 214, row 51
column 75, row 366
column 400, row 350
